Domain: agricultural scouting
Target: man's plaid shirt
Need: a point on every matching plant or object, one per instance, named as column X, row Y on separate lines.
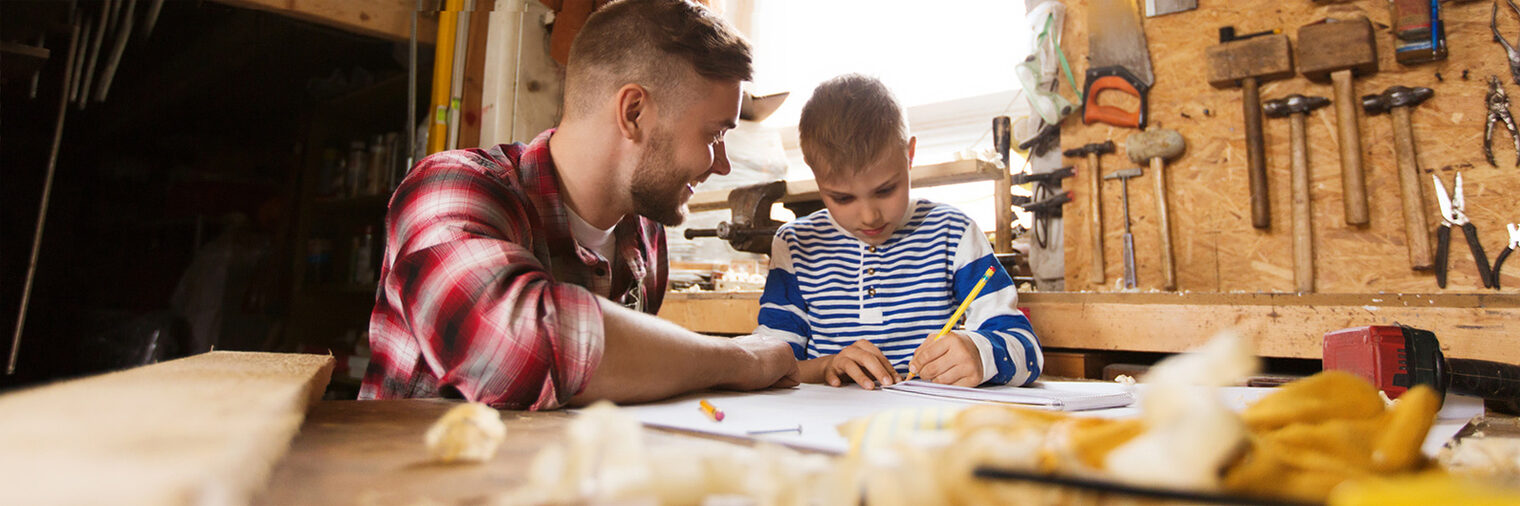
column 484, row 290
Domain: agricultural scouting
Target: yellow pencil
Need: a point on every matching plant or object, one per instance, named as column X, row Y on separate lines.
column 961, row 310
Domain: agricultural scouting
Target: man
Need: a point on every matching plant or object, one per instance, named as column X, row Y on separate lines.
column 521, row 275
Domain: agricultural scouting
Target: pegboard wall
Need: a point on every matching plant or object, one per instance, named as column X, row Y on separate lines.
column 1216, row 247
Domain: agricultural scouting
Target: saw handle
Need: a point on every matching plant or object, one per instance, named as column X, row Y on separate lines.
column 1117, row 79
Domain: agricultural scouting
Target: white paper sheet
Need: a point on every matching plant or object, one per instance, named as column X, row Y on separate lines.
column 810, row 414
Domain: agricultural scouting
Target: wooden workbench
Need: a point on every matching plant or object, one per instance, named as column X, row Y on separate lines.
column 371, row 452
column 1282, row 325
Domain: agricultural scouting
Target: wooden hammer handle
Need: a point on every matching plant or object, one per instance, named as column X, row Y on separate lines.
column 1095, row 222
column 1168, row 264
column 1353, row 182
column 1303, row 234
column 1416, row 233
column 1261, row 215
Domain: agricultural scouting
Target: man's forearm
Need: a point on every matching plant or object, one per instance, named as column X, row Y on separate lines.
column 647, row 358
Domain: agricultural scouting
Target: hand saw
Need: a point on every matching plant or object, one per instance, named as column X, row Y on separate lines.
column 1117, row 60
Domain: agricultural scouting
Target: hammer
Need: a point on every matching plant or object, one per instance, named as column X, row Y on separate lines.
column 1245, row 62
column 1156, row 146
column 1338, row 50
column 1295, row 107
column 1095, row 205
column 1129, row 239
column 1397, row 101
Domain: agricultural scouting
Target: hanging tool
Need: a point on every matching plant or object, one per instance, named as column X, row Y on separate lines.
column 1498, row 110
column 1398, row 101
column 1246, row 61
column 1452, row 215
column 1339, row 51
column 1510, row 53
column 1129, row 239
column 1094, row 202
column 1117, row 60
column 1154, row 8
column 1296, row 107
column 1155, row 147
column 1514, row 244
column 1395, row 359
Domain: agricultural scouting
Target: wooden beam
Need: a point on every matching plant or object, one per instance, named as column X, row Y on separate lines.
column 386, row 19
column 1282, row 325
column 924, row 176
column 207, row 428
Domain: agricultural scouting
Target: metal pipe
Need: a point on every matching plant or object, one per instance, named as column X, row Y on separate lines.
column 89, row 65
column 47, row 190
column 121, row 45
column 411, row 93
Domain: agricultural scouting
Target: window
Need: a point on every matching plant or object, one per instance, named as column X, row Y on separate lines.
column 950, row 62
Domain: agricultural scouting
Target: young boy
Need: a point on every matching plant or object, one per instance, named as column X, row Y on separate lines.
column 860, row 287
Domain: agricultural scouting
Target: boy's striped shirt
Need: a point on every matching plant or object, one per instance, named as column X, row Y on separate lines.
column 827, row 289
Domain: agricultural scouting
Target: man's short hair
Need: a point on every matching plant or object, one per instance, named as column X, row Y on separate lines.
column 657, row 44
column 850, row 121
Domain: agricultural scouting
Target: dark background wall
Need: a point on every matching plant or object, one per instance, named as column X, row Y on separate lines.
column 202, row 132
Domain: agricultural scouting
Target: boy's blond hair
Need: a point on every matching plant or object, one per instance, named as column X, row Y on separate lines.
column 851, row 121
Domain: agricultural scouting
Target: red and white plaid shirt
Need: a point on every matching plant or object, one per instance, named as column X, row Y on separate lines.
column 483, row 288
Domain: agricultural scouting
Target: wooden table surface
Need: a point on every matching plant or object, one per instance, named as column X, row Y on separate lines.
column 371, row 453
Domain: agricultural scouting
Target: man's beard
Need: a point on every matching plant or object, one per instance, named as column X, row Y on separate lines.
column 658, row 185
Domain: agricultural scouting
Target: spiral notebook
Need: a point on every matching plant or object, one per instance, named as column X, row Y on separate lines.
column 1035, row 396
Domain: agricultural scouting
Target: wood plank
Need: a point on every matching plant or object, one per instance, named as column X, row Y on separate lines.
column 1217, row 249
column 203, row 429
column 386, row 19
column 924, row 176
column 1468, row 325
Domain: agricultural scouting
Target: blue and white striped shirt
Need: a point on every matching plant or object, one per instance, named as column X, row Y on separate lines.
column 827, row 289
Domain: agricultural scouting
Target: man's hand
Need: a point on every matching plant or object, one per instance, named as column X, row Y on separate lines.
column 949, row 360
column 765, row 363
column 861, row 362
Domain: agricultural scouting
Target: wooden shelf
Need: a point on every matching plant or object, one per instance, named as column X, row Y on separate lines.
column 1281, row 325
column 924, row 176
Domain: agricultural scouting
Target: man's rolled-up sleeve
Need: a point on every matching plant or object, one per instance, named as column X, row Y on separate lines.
column 490, row 319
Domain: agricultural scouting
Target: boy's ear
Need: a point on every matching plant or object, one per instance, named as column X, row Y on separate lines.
column 632, row 109
column 912, row 143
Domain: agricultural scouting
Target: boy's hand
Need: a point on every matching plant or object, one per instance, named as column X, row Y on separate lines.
column 949, row 360
column 861, row 362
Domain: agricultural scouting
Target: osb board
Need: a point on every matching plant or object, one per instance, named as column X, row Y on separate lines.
column 1216, row 248
column 200, row 430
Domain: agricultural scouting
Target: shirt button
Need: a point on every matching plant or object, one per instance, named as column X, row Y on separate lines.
column 871, row 292
column 871, row 249
column 600, row 272
column 870, row 270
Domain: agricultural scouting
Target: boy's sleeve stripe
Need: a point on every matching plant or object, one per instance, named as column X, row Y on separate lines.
column 1014, row 338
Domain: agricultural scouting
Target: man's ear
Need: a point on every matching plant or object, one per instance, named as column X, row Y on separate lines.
column 632, row 111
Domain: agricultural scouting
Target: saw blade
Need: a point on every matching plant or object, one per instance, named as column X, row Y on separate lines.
column 1155, row 8
column 1117, row 39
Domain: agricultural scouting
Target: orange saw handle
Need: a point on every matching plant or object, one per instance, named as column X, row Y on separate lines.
column 1118, row 79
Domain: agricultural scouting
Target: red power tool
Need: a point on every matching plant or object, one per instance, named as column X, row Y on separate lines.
column 1396, row 358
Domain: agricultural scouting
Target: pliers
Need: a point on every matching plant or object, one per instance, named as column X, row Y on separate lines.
column 1497, row 102
column 1510, row 53
column 1514, row 244
column 1452, row 215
